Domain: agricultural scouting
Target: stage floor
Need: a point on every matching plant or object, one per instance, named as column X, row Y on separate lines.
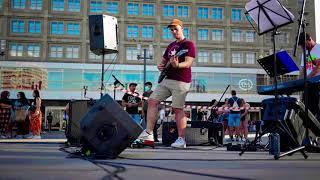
column 44, row 160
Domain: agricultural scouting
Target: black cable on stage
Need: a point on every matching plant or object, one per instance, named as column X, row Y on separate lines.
column 172, row 170
column 111, row 174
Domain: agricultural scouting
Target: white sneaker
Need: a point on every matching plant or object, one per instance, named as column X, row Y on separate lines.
column 179, row 143
column 28, row 136
column 19, row 136
column 3, row 137
column 145, row 136
column 36, row 137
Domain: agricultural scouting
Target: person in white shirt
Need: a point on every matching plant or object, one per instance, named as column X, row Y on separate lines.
column 313, row 69
column 312, row 55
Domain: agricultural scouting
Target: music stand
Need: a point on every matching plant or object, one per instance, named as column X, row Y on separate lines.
column 269, row 15
column 285, row 64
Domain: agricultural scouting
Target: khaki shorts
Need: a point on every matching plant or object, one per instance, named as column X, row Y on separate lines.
column 168, row 87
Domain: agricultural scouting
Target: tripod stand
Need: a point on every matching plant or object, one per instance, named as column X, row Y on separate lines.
column 302, row 25
column 269, row 15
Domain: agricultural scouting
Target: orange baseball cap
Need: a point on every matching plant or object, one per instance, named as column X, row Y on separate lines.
column 175, row 22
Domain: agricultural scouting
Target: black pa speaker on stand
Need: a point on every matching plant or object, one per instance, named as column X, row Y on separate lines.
column 103, row 34
column 107, row 129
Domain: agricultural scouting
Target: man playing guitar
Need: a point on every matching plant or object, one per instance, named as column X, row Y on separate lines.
column 176, row 84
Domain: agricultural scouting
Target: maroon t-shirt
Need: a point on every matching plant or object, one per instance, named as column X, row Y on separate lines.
column 181, row 74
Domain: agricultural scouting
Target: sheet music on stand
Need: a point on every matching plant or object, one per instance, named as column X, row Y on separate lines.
column 267, row 15
column 285, row 64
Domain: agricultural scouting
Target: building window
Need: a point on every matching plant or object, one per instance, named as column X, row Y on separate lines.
column 58, row 5
column 217, row 13
column 74, row 5
column 132, row 54
column 250, row 58
column 111, row 56
column 186, row 32
column 148, row 10
column 203, row 34
column 236, row 15
column 217, row 35
column 19, row 4
column 283, row 38
column 203, row 56
column 57, row 28
column 236, row 35
column 16, row 50
column 33, row 50
column 217, row 57
column 250, row 36
column 203, row 13
column 237, row 58
column 34, row 27
column 112, row 7
column 96, row 6
column 166, row 34
column 168, row 10
column 72, row 52
column 36, row 4
column 147, row 32
column 183, row 11
column 133, row 8
column 17, row 26
column 56, row 51
column 94, row 56
column 73, row 29
column 132, row 32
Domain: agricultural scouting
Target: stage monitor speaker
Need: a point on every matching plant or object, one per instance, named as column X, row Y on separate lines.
column 312, row 123
column 268, row 105
column 107, row 129
column 103, row 34
column 77, row 109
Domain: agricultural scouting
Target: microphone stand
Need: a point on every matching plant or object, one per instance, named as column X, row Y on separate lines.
column 116, row 82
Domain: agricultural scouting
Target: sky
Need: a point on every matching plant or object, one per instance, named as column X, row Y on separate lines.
column 317, row 14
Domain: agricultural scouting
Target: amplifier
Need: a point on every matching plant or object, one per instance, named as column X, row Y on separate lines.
column 197, row 133
column 77, row 109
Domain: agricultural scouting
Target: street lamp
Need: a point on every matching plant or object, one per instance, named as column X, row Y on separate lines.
column 144, row 57
column 2, row 47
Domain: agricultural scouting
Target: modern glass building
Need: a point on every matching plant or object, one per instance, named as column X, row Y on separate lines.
column 45, row 45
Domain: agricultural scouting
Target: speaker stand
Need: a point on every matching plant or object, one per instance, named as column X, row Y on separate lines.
column 102, row 75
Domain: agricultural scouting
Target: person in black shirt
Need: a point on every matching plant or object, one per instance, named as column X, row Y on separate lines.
column 131, row 103
column 5, row 103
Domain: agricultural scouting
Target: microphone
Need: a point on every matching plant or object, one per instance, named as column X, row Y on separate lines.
column 116, row 81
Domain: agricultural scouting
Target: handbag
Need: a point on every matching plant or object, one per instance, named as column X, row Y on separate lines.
column 21, row 115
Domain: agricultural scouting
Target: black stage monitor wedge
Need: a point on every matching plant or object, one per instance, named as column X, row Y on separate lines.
column 103, row 34
column 107, row 129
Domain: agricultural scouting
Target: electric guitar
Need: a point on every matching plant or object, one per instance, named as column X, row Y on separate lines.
column 164, row 72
